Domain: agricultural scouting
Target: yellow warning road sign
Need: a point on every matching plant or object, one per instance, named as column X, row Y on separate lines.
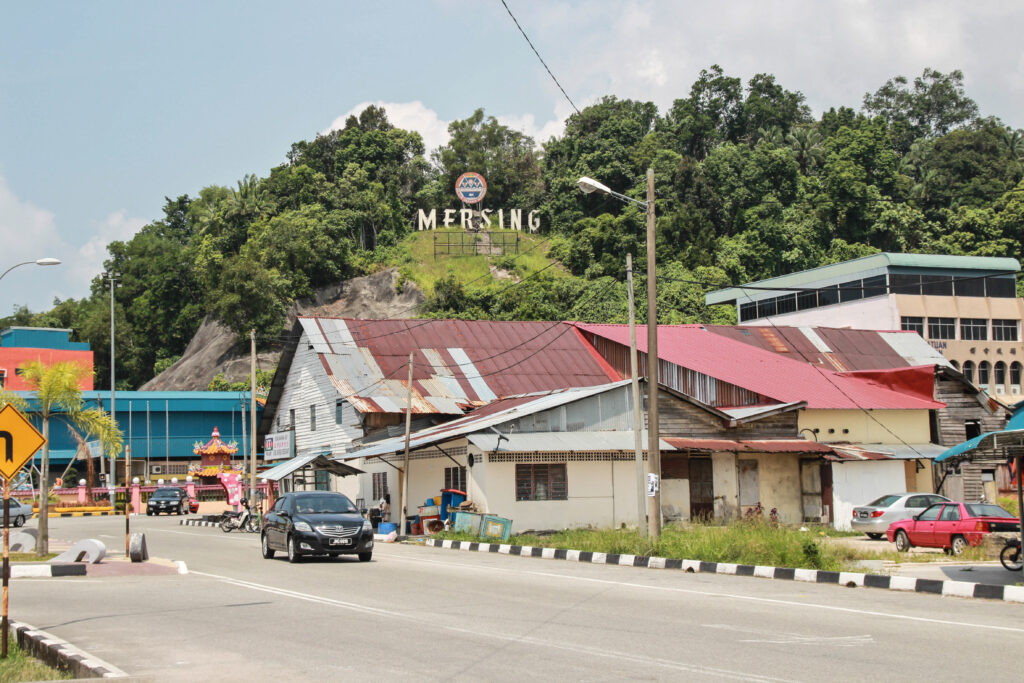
column 19, row 441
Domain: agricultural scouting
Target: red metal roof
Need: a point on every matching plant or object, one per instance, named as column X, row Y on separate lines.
column 764, row 372
column 750, row 445
column 457, row 364
column 847, row 349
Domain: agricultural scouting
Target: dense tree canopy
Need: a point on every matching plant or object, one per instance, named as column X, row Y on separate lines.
column 749, row 185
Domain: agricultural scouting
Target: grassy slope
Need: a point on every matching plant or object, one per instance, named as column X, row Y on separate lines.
column 416, row 259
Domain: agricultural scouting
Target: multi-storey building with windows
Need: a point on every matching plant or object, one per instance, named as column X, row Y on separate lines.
column 965, row 306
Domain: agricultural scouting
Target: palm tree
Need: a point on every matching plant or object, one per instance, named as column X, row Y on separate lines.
column 58, row 392
column 806, row 145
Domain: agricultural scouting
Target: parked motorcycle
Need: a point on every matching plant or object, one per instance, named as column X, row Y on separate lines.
column 1010, row 557
column 242, row 520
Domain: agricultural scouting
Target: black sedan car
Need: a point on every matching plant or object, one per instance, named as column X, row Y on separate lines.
column 316, row 523
column 169, row 499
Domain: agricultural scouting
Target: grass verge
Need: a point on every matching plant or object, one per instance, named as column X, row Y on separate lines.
column 745, row 542
column 21, row 666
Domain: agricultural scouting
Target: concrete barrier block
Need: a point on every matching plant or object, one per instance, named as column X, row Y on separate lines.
column 137, row 550
column 89, row 550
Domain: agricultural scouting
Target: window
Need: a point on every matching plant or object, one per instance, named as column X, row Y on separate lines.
column 291, row 418
column 765, row 308
column 312, row 418
column 1000, row 373
column 984, row 370
column 380, row 485
column 974, row 286
column 455, row 478
column 905, row 284
column 937, row 285
column 912, row 323
column 748, row 311
column 874, row 286
column 1015, row 369
column 950, row 513
column 941, row 328
column 322, row 480
column 975, row 329
column 969, row 371
column 828, row 295
column 851, row 291
column 786, row 303
column 805, row 300
column 1004, row 330
column 917, row 502
column 339, row 412
column 931, row 514
column 1001, row 287
column 3, row 378
column 541, row 482
column 955, row 364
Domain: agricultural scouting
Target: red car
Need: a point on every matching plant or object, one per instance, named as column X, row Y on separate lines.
column 951, row 526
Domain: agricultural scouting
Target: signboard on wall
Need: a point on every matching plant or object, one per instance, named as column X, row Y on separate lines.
column 278, row 446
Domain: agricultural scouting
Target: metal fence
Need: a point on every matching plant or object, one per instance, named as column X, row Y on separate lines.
column 476, row 243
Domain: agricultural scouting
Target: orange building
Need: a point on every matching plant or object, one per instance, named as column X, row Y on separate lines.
column 19, row 345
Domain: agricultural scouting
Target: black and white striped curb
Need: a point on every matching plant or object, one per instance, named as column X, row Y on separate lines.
column 960, row 589
column 61, row 654
column 37, row 570
column 197, row 522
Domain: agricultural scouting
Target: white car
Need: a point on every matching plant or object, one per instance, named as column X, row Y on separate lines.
column 20, row 512
column 875, row 517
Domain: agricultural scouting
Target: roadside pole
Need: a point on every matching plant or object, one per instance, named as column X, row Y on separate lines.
column 638, row 418
column 127, row 497
column 252, row 403
column 653, row 432
column 405, row 468
column 5, row 627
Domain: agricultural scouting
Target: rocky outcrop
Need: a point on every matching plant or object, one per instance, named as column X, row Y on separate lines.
column 215, row 349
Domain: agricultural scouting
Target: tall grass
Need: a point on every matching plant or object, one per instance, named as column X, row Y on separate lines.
column 744, row 542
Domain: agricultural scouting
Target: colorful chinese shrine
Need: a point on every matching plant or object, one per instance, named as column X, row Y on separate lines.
column 214, row 457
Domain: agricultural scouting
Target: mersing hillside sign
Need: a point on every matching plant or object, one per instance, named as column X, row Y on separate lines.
column 471, row 188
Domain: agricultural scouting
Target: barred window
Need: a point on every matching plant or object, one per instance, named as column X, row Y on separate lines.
column 541, row 482
column 941, row 328
column 455, row 478
column 380, row 485
column 984, row 369
column 912, row 323
column 312, row 418
column 1015, row 369
column 975, row 329
column 1004, row 330
column 1000, row 373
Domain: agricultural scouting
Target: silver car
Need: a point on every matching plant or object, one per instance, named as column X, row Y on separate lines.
column 20, row 512
column 875, row 517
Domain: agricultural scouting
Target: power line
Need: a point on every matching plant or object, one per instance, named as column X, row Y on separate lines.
column 530, row 43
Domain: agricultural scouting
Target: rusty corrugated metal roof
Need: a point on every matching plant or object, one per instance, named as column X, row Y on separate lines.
column 457, row 364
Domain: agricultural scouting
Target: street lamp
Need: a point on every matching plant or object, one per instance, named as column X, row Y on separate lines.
column 588, row 185
column 38, row 262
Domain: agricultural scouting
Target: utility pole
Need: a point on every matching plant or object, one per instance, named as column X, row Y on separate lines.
column 405, row 468
column 252, row 404
column 653, row 434
column 112, row 277
column 638, row 419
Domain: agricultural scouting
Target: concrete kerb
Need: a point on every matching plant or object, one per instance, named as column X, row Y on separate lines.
column 61, row 654
column 961, row 589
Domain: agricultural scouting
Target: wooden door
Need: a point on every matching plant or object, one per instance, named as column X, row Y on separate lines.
column 702, row 490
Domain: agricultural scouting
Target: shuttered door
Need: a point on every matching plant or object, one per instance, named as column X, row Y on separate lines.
column 702, row 492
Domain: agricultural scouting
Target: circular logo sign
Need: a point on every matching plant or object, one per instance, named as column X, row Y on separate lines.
column 471, row 187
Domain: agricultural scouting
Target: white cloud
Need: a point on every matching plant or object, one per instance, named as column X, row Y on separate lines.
column 27, row 233
column 88, row 259
column 408, row 115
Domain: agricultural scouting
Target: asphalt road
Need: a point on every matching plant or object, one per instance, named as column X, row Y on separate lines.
column 433, row 614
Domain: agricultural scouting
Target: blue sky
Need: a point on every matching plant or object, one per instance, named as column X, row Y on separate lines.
column 108, row 107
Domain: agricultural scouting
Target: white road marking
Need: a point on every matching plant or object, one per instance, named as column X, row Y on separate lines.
column 527, row 640
column 783, row 638
column 716, row 594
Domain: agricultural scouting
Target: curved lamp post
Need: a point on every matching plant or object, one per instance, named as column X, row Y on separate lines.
column 588, row 185
column 38, row 262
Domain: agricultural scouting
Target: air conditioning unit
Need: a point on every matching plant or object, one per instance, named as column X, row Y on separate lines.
column 1000, row 389
column 156, row 469
column 1015, row 389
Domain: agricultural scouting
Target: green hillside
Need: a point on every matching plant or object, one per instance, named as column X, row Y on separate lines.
column 749, row 185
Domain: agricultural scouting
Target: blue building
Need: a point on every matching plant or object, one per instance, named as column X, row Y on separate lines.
column 162, row 428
